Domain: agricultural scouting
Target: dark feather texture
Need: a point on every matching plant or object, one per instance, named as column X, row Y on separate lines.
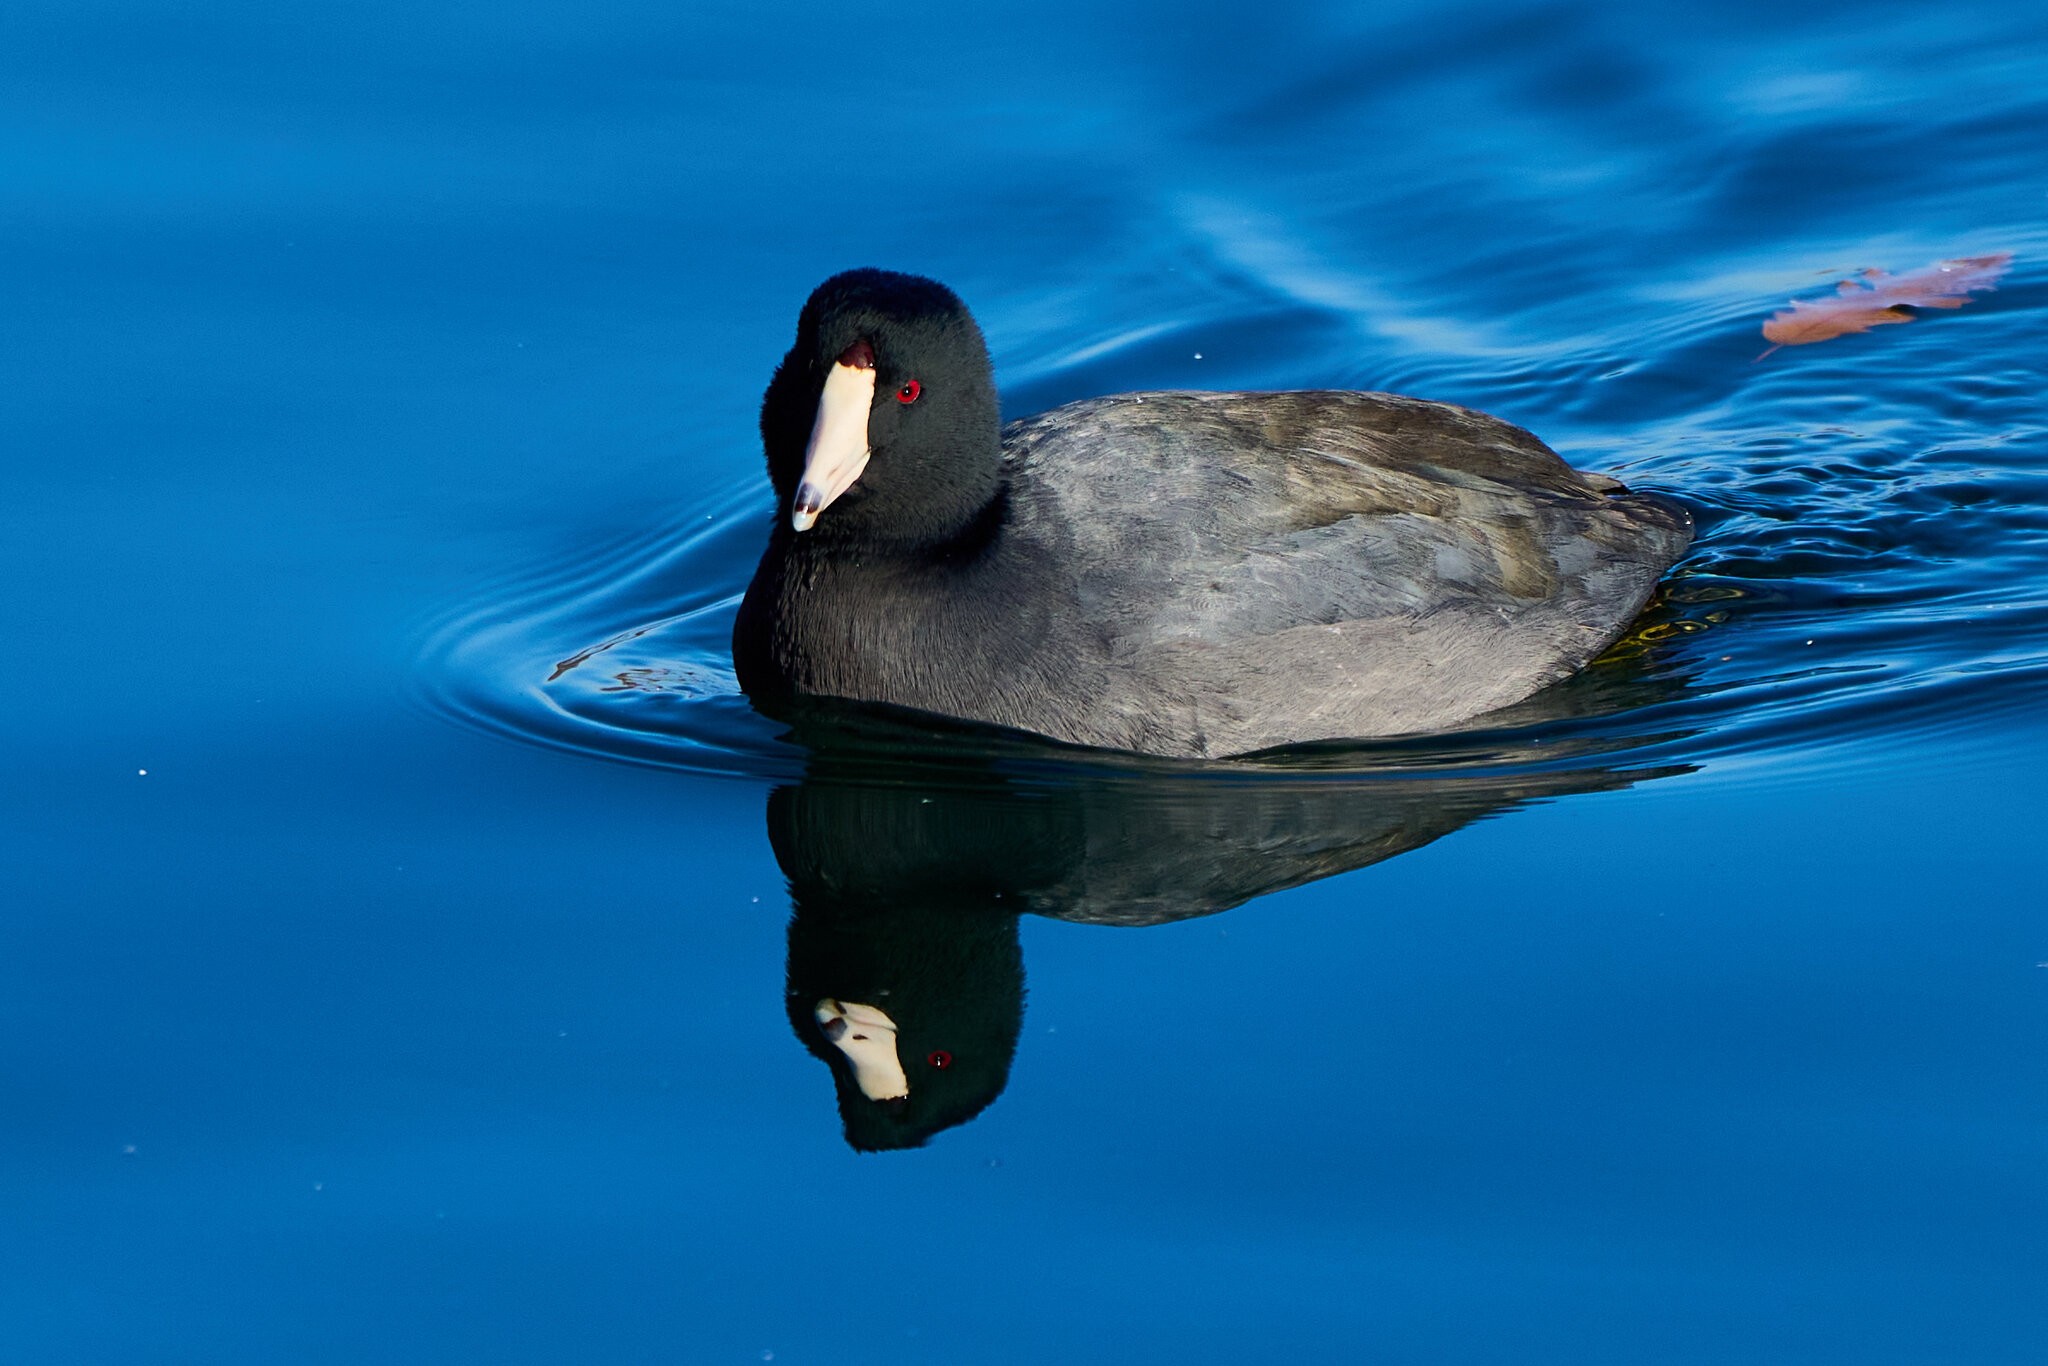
column 1180, row 573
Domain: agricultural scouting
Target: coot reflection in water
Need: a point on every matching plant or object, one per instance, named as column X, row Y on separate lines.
column 907, row 877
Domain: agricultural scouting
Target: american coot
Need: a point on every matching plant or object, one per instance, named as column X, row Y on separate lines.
column 1174, row 573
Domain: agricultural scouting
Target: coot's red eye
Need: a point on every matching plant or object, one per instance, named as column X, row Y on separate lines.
column 941, row 1059
column 909, row 392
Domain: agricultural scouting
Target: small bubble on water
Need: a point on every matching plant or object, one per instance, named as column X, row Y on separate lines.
column 142, row 773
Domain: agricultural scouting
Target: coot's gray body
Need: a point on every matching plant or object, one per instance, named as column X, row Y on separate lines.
column 1189, row 574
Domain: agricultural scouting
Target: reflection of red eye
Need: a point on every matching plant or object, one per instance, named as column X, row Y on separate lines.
column 941, row 1059
column 909, row 392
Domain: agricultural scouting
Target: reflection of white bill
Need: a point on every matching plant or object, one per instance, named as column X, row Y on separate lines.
column 867, row 1037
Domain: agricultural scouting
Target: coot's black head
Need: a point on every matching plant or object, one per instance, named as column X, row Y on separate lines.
column 881, row 424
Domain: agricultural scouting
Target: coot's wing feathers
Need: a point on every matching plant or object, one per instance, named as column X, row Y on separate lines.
column 1220, row 540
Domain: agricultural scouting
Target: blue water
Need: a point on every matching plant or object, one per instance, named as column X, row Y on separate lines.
column 375, row 987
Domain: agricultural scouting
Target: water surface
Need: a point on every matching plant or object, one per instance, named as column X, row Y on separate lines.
column 379, row 988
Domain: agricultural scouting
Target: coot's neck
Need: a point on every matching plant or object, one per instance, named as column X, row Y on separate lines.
column 958, row 527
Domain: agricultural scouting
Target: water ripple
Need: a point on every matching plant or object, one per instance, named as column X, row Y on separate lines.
column 1865, row 566
column 1582, row 234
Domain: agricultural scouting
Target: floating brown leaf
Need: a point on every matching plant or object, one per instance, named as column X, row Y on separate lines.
column 1875, row 298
